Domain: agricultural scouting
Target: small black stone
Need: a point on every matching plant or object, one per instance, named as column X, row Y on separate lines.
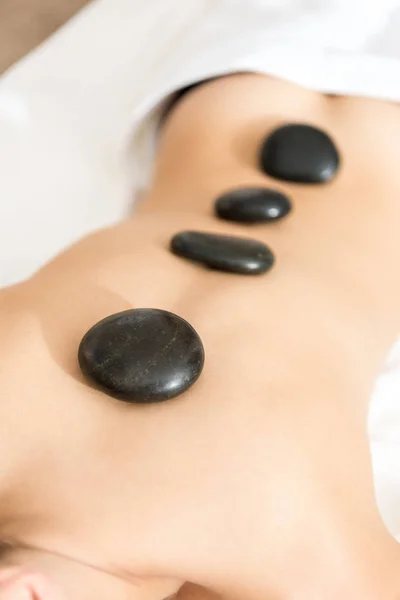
column 142, row 356
column 300, row 153
column 252, row 205
column 223, row 252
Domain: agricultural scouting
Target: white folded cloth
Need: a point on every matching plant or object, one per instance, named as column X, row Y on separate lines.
column 78, row 121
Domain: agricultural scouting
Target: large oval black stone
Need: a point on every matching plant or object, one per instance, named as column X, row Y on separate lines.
column 223, row 252
column 252, row 205
column 300, row 153
column 142, row 356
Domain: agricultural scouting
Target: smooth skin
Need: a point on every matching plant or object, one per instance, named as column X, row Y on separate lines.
column 257, row 483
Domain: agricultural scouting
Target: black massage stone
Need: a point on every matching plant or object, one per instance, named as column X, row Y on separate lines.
column 142, row 356
column 224, row 253
column 252, row 205
column 300, row 153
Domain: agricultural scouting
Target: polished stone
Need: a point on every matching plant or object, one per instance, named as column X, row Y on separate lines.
column 252, row 205
column 300, row 153
column 224, row 253
column 142, row 355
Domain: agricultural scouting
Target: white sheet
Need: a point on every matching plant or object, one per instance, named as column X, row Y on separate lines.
column 78, row 119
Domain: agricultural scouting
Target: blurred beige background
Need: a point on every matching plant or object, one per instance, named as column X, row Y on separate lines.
column 24, row 24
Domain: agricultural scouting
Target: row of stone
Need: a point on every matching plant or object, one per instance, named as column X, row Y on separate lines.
column 151, row 355
column 296, row 153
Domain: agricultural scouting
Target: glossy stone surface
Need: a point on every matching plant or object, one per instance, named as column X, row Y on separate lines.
column 224, row 253
column 300, row 153
column 142, row 356
column 252, row 205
